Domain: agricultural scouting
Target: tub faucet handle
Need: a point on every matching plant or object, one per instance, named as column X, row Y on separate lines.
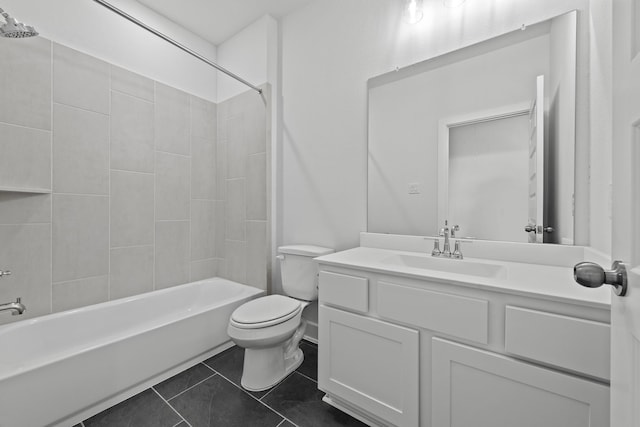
column 5, row 273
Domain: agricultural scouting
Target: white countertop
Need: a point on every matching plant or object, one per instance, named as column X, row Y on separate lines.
column 534, row 280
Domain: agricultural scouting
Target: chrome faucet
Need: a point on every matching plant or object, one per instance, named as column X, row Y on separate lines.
column 17, row 307
column 447, row 232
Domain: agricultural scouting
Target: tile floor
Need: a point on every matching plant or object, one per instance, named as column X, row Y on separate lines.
column 209, row 394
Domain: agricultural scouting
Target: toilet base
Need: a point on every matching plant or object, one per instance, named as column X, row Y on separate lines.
column 265, row 367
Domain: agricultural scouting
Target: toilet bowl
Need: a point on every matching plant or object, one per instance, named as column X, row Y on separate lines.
column 270, row 328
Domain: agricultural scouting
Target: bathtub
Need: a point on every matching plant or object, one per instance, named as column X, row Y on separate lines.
column 59, row 369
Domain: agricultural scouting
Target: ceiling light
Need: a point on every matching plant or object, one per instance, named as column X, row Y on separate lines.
column 452, row 3
column 412, row 11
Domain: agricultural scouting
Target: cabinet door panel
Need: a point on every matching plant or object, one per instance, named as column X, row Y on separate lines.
column 477, row 388
column 371, row 364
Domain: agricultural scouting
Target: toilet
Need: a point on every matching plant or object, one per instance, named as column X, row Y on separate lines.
column 271, row 327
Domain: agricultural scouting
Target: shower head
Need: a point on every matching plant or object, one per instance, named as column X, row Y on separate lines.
column 14, row 29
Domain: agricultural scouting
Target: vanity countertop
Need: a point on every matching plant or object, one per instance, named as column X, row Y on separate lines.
column 534, row 280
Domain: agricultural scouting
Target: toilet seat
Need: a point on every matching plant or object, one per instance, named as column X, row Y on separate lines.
column 265, row 311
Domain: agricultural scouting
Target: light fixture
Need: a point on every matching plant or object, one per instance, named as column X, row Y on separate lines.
column 452, row 3
column 412, row 11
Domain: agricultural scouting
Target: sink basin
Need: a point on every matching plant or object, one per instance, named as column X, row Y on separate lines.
column 457, row 266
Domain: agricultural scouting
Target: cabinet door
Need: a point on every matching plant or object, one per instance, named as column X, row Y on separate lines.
column 369, row 363
column 477, row 388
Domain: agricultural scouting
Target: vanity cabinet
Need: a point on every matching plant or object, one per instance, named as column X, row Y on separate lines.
column 401, row 351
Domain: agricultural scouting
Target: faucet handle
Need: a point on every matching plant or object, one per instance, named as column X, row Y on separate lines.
column 457, row 254
column 436, row 248
column 5, row 273
column 454, row 229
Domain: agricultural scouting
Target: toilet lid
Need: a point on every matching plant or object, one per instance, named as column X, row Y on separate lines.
column 271, row 309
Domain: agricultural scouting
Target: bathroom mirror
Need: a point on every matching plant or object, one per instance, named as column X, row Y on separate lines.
column 453, row 138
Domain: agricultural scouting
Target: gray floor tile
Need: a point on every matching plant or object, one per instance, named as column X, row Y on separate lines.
column 286, row 423
column 185, row 379
column 217, row 402
column 229, row 364
column 309, row 365
column 299, row 399
column 146, row 409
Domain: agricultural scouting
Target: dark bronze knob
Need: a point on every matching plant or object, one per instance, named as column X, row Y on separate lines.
column 591, row 275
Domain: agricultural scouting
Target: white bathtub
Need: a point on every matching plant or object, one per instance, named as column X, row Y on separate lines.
column 62, row 368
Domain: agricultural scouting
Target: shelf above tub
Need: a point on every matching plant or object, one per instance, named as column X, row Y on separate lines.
column 24, row 190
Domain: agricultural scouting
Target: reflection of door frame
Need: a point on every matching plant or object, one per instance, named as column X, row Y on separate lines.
column 445, row 124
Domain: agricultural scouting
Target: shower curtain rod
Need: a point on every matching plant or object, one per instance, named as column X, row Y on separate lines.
column 175, row 43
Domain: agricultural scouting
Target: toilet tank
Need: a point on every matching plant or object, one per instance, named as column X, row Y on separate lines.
column 299, row 271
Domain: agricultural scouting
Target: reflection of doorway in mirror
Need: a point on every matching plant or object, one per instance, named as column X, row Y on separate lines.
column 488, row 178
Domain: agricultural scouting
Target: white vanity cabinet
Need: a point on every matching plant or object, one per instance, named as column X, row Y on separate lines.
column 403, row 351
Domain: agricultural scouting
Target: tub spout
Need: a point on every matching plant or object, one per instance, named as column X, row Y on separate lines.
column 16, row 307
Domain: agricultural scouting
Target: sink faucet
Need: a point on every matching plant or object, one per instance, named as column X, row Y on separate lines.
column 17, row 307
column 447, row 232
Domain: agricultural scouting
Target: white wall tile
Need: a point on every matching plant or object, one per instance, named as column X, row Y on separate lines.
column 257, row 254
column 80, row 237
column 80, row 80
column 79, row 293
column 257, row 187
column 220, row 228
column 203, row 223
column 172, row 253
column 203, row 119
column 26, row 252
column 132, row 133
column 25, row 86
column 25, row 157
column 236, row 147
column 80, row 151
column 221, row 170
column 131, row 271
column 132, row 216
column 236, row 209
column 236, row 261
column 203, row 269
column 131, row 83
column 203, row 169
column 173, row 180
column 24, row 208
column 256, row 125
column 172, row 120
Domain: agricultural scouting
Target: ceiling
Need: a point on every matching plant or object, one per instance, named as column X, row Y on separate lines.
column 217, row 20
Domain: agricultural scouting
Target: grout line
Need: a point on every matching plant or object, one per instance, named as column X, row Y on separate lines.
column 58, row 193
column 196, row 384
column 130, row 94
column 109, row 185
column 128, row 171
column 30, row 127
column 27, row 223
column 79, row 279
column 306, row 376
column 132, row 246
column 51, row 165
column 81, row 108
column 258, row 400
column 172, row 408
column 155, row 188
column 170, row 153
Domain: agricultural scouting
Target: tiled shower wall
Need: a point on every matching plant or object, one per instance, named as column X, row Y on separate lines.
column 141, row 196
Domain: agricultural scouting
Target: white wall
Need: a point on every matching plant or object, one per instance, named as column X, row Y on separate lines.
column 246, row 54
column 90, row 28
column 330, row 49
